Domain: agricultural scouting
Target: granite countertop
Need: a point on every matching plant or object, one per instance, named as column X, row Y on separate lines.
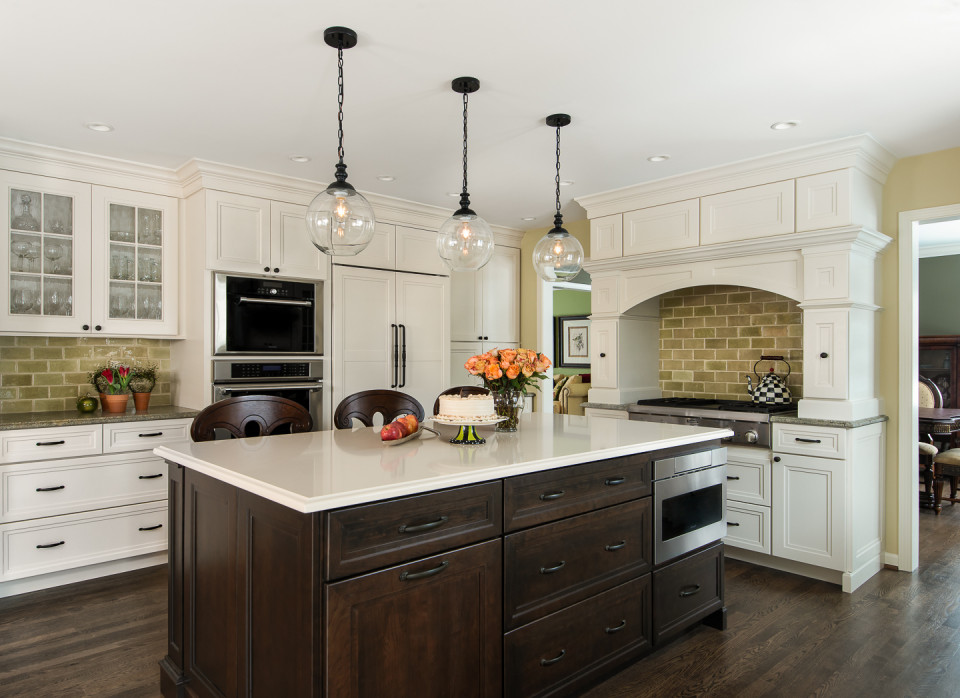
column 607, row 405
column 323, row 470
column 838, row 423
column 71, row 418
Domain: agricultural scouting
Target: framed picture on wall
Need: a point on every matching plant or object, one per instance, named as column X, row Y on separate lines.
column 573, row 341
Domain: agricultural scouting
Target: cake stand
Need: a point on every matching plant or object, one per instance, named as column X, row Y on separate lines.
column 467, row 435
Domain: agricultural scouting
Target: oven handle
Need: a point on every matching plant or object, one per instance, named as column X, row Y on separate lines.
column 270, row 386
column 275, row 301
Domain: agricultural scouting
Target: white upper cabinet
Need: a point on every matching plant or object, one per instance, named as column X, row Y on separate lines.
column 661, row 228
column 250, row 235
column 606, row 237
column 400, row 248
column 485, row 303
column 744, row 214
column 135, row 262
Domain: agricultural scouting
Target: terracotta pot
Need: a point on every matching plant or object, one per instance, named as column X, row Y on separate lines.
column 114, row 403
column 141, row 401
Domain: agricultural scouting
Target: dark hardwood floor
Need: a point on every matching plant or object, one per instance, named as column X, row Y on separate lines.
column 898, row 635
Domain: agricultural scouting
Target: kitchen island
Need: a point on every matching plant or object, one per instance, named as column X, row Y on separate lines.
column 331, row 564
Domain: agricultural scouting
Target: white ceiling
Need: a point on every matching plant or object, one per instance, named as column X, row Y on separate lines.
column 251, row 83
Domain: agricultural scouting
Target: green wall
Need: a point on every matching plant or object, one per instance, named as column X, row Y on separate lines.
column 939, row 291
column 567, row 301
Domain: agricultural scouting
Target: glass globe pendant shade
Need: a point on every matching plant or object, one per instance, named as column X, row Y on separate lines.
column 558, row 256
column 465, row 241
column 340, row 221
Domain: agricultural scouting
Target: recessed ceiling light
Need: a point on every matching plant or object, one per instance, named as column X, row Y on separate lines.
column 529, row 218
column 102, row 128
column 658, row 158
column 300, row 158
column 566, row 182
column 784, row 125
column 454, row 194
column 386, row 178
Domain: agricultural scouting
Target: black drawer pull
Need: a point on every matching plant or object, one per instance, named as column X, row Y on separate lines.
column 732, row 523
column 51, row 489
column 690, row 590
column 733, row 477
column 555, row 568
column 51, row 443
column 611, row 631
column 823, row 355
column 615, row 546
column 552, row 495
column 807, row 441
column 153, row 433
column 51, row 545
column 429, row 526
column 149, row 477
column 614, row 481
column 150, row 528
column 548, row 662
column 409, row 576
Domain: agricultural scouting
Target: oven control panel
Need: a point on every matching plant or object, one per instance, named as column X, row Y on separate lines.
column 266, row 370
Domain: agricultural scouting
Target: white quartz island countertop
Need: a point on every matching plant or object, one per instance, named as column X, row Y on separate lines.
column 324, row 470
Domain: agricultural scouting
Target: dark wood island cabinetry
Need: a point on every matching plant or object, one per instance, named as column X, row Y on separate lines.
column 531, row 585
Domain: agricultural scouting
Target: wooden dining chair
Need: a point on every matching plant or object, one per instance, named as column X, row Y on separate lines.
column 251, row 415
column 365, row 405
column 462, row 390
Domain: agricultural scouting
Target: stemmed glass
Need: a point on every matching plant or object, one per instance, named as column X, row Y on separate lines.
column 32, row 253
column 21, row 300
column 20, row 248
column 54, row 253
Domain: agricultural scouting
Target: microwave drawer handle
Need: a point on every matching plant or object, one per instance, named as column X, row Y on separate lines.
column 270, row 386
column 276, row 301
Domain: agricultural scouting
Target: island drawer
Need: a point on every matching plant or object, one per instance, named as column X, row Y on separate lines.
column 63, row 542
column 21, row 445
column 49, row 488
column 370, row 536
column 554, row 494
column 554, row 565
column 567, row 649
column 143, row 436
column 687, row 591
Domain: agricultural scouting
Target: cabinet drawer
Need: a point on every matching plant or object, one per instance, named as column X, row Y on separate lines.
column 804, row 440
column 748, row 475
column 552, row 566
column 62, row 542
column 687, row 591
column 748, row 527
column 565, row 650
column 143, row 436
column 54, row 442
column 32, row 490
column 366, row 537
column 553, row 494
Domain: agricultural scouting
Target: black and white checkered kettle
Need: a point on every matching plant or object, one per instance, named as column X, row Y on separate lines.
column 771, row 389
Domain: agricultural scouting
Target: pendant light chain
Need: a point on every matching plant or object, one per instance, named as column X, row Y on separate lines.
column 465, row 96
column 340, row 103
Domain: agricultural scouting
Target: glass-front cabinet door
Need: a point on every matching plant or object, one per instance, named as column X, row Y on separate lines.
column 134, row 262
column 46, row 255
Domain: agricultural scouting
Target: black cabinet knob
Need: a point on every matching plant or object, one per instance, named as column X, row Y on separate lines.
column 823, row 354
column 485, row 337
column 276, row 270
column 86, row 327
column 776, row 459
column 266, row 268
column 480, row 337
column 602, row 355
column 97, row 328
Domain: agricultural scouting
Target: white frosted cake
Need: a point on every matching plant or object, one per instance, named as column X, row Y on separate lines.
column 470, row 408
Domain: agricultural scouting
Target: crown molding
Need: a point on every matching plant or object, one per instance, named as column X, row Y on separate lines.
column 831, row 238
column 34, row 158
column 941, row 250
column 860, row 152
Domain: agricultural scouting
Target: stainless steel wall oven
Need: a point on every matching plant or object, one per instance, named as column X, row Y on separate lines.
column 300, row 381
column 255, row 315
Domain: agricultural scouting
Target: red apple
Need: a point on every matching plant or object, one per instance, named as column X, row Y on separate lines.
column 402, row 425
column 410, row 421
column 391, row 432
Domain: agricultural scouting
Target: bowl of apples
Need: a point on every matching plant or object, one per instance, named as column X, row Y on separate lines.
column 406, row 427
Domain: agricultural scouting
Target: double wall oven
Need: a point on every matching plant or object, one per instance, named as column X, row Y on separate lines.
column 268, row 340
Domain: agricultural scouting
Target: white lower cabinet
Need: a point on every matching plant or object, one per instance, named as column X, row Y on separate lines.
column 748, row 498
column 79, row 502
column 748, row 526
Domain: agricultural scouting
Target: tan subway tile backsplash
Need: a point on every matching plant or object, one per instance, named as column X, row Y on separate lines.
column 711, row 337
column 44, row 374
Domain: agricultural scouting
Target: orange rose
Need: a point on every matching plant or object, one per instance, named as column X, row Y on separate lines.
column 527, row 370
column 492, row 372
column 513, row 371
column 545, row 360
column 471, row 365
column 531, row 355
column 508, row 355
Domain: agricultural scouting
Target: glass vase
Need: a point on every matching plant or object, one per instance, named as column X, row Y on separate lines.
column 509, row 404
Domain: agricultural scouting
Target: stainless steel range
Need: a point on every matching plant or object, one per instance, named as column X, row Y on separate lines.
column 750, row 423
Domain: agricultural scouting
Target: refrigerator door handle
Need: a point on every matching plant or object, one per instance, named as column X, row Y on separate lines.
column 396, row 354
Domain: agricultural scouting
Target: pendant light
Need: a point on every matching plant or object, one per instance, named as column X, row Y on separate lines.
column 339, row 220
column 465, row 241
column 559, row 255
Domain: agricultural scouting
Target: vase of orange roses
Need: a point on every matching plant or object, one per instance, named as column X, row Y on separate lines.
column 506, row 373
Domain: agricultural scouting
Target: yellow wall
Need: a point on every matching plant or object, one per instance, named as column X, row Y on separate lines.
column 923, row 181
column 528, row 280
